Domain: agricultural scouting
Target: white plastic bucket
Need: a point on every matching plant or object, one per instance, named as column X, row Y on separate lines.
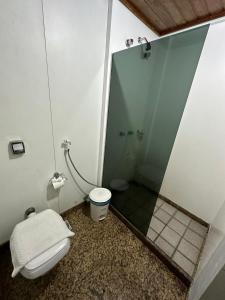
column 99, row 199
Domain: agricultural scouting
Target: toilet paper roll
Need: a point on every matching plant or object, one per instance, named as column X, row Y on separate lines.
column 58, row 183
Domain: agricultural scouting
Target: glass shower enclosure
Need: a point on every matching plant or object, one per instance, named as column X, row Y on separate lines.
column 148, row 94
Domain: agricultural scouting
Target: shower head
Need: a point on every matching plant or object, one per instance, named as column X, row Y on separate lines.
column 142, row 39
column 146, row 47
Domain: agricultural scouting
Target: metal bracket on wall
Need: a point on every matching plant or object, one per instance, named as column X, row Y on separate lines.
column 129, row 42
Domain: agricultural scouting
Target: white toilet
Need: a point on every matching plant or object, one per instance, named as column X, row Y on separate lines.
column 46, row 261
column 38, row 243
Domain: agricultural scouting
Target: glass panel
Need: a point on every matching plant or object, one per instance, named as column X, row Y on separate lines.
column 147, row 99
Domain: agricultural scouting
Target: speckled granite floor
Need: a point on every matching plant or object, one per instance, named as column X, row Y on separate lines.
column 106, row 261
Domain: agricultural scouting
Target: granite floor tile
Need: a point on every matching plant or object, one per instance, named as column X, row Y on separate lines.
column 198, row 228
column 188, row 250
column 184, row 263
column 159, row 202
column 177, row 226
column 105, row 261
column 168, row 208
column 193, row 238
column 171, row 236
column 151, row 234
column 182, row 218
column 156, row 208
column 181, row 238
column 156, row 225
column 164, row 246
column 162, row 215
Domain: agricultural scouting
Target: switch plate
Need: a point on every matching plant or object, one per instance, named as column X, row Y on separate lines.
column 17, row 147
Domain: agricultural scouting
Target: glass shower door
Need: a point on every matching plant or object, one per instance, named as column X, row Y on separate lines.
column 147, row 100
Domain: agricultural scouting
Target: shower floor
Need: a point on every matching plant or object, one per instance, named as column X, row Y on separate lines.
column 136, row 204
column 178, row 236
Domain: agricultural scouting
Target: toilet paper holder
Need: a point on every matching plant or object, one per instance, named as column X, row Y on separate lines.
column 58, row 180
column 56, row 175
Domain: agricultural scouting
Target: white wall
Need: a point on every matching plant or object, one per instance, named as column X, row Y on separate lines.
column 196, row 170
column 75, row 33
column 213, row 257
column 203, row 280
column 124, row 25
column 76, row 41
column 195, row 174
column 24, row 113
column 214, row 238
column 216, row 290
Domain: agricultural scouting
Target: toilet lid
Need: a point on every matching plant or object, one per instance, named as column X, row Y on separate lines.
column 46, row 255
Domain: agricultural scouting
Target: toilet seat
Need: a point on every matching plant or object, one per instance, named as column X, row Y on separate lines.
column 46, row 261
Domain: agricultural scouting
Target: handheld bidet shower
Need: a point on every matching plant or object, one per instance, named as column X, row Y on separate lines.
column 66, row 145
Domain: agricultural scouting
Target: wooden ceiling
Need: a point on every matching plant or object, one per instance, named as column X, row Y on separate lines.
column 166, row 16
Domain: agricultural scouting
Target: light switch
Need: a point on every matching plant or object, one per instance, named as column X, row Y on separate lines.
column 17, row 147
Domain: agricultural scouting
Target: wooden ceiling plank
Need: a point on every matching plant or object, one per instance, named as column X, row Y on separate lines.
column 160, row 11
column 151, row 13
column 186, row 9
column 148, row 10
column 169, row 16
column 174, row 12
column 200, row 7
column 214, row 6
column 139, row 14
column 223, row 3
column 195, row 22
column 206, row 4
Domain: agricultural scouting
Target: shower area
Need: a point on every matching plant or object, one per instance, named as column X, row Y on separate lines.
column 149, row 88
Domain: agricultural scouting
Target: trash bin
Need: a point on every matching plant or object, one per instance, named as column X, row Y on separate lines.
column 99, row 199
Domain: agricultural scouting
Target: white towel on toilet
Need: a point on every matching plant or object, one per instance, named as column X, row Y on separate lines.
column 35, row 235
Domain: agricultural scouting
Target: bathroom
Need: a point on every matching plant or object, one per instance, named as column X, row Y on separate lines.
column 126, row 95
